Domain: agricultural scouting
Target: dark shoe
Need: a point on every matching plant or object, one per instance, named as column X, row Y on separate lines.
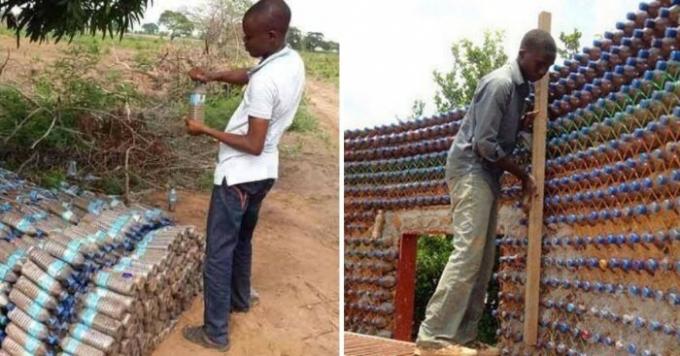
column 254, row 300
column 197, row 335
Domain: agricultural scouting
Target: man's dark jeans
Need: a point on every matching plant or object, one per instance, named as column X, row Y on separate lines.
column 226, row 276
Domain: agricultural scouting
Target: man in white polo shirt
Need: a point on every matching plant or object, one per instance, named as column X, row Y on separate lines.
column 247, row 164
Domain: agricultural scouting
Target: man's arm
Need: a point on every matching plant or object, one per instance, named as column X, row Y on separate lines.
column 252, row 142
column 234, row 76
column 491, row 104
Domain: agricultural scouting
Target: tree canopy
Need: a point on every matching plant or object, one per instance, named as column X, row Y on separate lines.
column 67, row 18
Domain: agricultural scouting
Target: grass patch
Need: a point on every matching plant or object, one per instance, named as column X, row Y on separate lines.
column 322, row 66
column 218, row 109
column 51, row 178
column 304, row 121
column 205, row 180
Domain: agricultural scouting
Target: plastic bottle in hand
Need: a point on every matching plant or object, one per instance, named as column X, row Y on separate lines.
column 197, row 102
column 172, row 199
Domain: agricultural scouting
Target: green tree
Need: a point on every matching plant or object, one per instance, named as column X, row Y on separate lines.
column 177, row 23
column 40, row 19
column 470, row 63
column 313, row 40
column 417, row 108
column 150, row 28
column 295, row 38
column 571, row 43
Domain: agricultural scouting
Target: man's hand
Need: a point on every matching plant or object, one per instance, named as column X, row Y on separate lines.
column 194, row 127
column 529, row 186
column 528, row 120
column 199, row 74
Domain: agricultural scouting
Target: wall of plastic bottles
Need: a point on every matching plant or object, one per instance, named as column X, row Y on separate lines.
column 610, row 280
column 82, row 274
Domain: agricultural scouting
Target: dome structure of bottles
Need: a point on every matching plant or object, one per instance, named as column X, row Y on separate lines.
column 82, row 274
column 610, row 281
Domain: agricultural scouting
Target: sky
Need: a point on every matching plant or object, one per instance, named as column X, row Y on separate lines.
column 391, row 48
column 307, row 15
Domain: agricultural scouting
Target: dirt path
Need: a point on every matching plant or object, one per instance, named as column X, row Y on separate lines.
column 295, row 263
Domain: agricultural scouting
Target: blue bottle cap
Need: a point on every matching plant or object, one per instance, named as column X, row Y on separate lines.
column 643, row 6
column 657, row 43
column 619, row 69
column 626, row 41
column 631, row 16
column 675, row 56
column 671, row 32
column 649, row 23
column 620, row 25
column 664, row 13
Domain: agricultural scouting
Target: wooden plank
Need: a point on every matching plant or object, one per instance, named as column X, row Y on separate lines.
column 366, row 345
column 404, row 296
column 531, row 299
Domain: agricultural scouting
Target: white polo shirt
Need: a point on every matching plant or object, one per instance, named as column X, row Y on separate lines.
column 273, row 93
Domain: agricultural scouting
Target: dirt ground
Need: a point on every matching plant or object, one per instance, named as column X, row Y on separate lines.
column 295, row 262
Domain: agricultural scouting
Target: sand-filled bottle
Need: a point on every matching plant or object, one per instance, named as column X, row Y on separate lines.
column 124, row 283
column 30, row 307
column 76, row 347
column 11, row 347
column 54, row 267
column 72, row 256
column 31, row 290
column 30, row 344
column 92, row 337
column 41, row 278
column 28, row 324
column 104, row 304
column 101, row 322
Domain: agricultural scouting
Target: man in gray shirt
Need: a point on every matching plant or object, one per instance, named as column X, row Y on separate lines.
column 479, row 155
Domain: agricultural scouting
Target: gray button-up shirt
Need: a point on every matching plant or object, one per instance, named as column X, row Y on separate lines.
column 490, row 126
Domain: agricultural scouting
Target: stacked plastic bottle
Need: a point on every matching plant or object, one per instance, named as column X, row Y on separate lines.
column 85, row 275
column 610, row 261
column 612, row 178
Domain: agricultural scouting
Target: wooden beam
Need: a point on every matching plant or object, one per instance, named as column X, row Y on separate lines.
column 531, row 297
column 404, row 295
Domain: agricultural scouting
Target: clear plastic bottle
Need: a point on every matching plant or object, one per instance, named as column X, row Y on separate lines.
column 30, row 307
column 27, row 342
column 172, row 199
column 197, row 102
column 31, row 290
column 124, row 283
column 41, row 278
column 75, row 347
column 104, row 304
column 54, row 267
column 72, row 256
column 92, row 337
column 101, row 322
column 28, row 324
column 13, row 348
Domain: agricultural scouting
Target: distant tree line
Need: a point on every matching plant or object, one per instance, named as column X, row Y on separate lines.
column 310, row 41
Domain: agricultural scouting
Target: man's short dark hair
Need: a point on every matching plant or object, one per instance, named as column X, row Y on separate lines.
column 275, row 13
column 538, row 40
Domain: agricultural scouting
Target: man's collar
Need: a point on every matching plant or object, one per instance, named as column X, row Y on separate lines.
column 280, row 53
column 516, row 73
